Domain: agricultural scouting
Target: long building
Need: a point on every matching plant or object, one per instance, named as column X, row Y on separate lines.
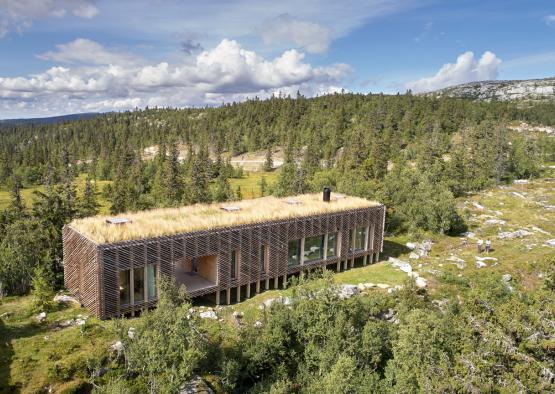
column 226, row 251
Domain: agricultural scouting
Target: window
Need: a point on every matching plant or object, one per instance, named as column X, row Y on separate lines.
column 151, row 281
column 360, row 238
column 263, row 258
column 139, row 284
column 124, row 288
column 331, row 250
column 314, row 248
column 294, row 252
column 234, row 264
column 351, row 240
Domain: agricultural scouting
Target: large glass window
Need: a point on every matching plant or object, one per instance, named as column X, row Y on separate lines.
column 124, row 288
column 139, row 284
column 360, row 238
column 332, row 245
column 234, row 262
column 314, row 248
column 151, row 281
column 263, row 258
column 351, row 233
column 294, row 252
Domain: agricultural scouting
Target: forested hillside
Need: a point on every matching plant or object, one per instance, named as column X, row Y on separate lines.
column 420, row 156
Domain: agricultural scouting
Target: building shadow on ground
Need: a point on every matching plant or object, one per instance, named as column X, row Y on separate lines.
column 393, row 249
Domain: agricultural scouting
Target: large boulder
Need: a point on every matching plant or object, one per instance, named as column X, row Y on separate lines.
column 66, row 299
column 421, row 282
column 347, row 291
column 208, row 315
column 402, row 265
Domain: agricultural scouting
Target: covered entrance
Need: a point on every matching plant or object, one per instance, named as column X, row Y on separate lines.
column 197, row 273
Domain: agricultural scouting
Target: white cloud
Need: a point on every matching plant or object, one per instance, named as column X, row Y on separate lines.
column 466, row 69
column 550, row 19
column 286, row 29
column 107, row 81
column 87, row 51
column 18, row 14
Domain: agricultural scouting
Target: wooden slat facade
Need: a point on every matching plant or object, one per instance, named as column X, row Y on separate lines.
column 92, row 270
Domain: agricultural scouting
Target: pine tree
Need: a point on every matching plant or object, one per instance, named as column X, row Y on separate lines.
column 42, row 291
column 238, row 193
column 16, row 201
column 263, row 186
column 89, row 205
column 222, row 191
column 269, row 161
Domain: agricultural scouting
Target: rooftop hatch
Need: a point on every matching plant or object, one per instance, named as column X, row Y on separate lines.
column 230, row 208
column 117, row 220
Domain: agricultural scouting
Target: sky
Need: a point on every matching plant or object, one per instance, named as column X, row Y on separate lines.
column 71, row 56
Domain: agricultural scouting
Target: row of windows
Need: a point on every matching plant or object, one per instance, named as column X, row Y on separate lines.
column 132, row 282
column 314, row 248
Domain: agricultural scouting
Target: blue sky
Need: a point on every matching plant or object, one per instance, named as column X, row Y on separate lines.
column 67, row 56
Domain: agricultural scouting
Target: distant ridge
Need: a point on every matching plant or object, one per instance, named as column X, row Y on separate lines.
column 48, row 120
column 521, row 90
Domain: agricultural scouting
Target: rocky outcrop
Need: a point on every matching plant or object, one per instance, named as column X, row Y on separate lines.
column 526, row 90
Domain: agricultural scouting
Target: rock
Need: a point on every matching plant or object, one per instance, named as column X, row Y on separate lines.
column 414, row 256
column 66, row 299
column 477, row 205
column 520, row 181
column 411, row 245
column 268, row 303
column 402, row 265
column 507, row 278
column 480, row 264
column 368, row 285
column 469, row 234
column 519, row 195
column 382, row 286
column 514, row 234
column 5, row 315
column 460, row 263
column 41, row 316
column 258, row 324
column 347, row 291
column 421, row 282
column 46, row 338
column 117, row 346
column 495, row 221
column 196, row 386
column 238, row 315
column 131, row 332
column 539, row 230
column 361, row 286
column 66, row 323
column 80, row 322
column 208, row 315
column 101, row 372
column 286, row 300
column 550, row 242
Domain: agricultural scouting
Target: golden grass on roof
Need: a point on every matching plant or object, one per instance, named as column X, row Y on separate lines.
column 168, row 221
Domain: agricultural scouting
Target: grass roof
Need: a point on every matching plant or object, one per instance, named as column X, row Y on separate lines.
column 169, row 221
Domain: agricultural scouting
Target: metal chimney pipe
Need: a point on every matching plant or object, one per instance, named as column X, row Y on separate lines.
column 326, row 196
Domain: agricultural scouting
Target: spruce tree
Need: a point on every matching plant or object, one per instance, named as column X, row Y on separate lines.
column 89, row 205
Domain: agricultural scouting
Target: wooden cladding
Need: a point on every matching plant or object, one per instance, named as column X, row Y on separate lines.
column 92, row 271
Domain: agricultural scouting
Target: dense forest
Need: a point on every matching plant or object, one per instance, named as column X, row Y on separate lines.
column 415, row 154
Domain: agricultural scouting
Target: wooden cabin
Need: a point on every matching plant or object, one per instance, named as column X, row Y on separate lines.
column 225, row 251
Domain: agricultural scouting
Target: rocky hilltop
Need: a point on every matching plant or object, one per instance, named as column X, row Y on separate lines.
column 527, row 90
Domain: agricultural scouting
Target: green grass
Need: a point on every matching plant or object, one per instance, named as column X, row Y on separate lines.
column 28, row 196
column 250, row 183
column 250, row 188
column 35, row 357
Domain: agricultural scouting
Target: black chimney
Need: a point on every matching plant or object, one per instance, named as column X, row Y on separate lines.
column 327, row 194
